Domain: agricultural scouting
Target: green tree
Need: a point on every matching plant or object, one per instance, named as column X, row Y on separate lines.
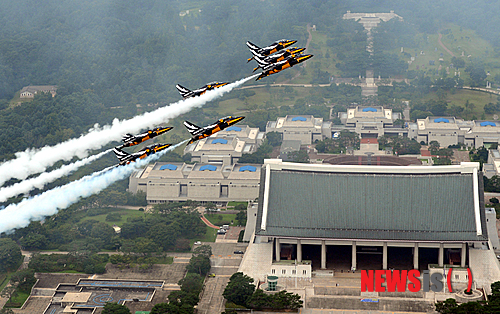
column 241, row 217
column 192, row 283
column 164, row 308
column 24, row 279
column 115, row 308
column 203, row 250
column 10, row 254
column 239, row 289
column 199, row 264
column 274, row 139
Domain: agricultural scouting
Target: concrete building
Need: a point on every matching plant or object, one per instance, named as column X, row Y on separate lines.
column 371, row 122
column 452, row 131
column 176, row 182
column 492, row 167
column 31, row 91
column 331, row 219
column 305, row 128
column 226, row 146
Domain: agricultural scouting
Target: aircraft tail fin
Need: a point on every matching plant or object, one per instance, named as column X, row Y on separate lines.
column 192, row 128
column 120, row 154
column 261, row 62
column 182, row 90
column 252, row 47
column 127, row 137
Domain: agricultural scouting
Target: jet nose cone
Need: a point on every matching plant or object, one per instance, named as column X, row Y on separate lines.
column 238, row 119
column 300, row 50
column 304, row 58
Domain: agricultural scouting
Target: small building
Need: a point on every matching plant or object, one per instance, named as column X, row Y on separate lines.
column 31, row 91
column 227, row 146
column 371, row 121
column 165, row 182
column 305, row 128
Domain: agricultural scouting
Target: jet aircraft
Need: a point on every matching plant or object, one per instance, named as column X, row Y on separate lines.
column 281, row 65
column 199, row 133
column 280, row 56
column 126, row 158
column 186, row 93
column 272, row 48
column 131, row 140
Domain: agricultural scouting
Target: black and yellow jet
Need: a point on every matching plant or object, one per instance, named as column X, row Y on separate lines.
column 199, row 133
column 186, row 93
column 126, row 158
column 280, row 66
column 280, row 56
column 269, row 50
column 131, row 140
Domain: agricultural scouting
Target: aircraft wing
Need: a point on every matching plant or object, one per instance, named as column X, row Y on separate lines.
column 192, row 128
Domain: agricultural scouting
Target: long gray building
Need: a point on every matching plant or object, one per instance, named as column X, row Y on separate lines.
column 166, row 182
column 452, row 131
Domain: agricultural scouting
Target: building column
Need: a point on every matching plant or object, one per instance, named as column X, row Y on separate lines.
column 323, row 254
column 278, row 249
column 384, row 256
column 299, row 251
column 441, row 255
column 464, row 255
column 353, row 261
column 415, row 256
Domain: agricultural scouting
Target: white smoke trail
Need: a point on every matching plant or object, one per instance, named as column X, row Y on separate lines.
column 50, row 202
column 39, row 182
column 33, row 161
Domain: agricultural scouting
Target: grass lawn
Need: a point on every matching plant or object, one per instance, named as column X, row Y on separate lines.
column 125, row 213
column 221, row 219
column 234, row 204
column 210, row 236
column 18, row 298
column 460, row 97
column 4, row 279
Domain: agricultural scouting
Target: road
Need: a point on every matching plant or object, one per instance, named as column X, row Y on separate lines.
column 444, row 47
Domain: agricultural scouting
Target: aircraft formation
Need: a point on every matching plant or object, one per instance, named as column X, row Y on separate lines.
column 271, row 59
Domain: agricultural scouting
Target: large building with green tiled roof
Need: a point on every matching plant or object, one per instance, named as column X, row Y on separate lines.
column 344, row 218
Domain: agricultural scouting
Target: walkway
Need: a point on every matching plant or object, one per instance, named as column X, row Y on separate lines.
column 444, row 47
column 208, row 223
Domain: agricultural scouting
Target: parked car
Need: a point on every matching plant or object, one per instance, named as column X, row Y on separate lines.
column 197, row 243
column 239, row 252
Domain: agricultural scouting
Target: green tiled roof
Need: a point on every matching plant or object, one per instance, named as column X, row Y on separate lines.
column 423, row 207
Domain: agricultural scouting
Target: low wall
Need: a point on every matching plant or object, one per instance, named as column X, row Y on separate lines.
column 383, row 304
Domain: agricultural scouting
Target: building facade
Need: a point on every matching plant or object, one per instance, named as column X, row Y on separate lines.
column 345, row 218
column 227, row 146
column 31, row 91
column 176, row 182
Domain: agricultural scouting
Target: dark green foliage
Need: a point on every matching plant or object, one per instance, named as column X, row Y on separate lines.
column 277, row 301
column 115, row 308
column 494, row 200
column 274, row 139
column 24, row 279
column 339, row 145
column 10, row 254
column 239, row 289
column 492, row 184
column 263, row 152
column 199, row 264
column 299, row 156
column 241, row 217
column 400, row 145
column 82, row 262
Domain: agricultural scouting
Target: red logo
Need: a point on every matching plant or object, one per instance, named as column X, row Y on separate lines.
column 400, row 280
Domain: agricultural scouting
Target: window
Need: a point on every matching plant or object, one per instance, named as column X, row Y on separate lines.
column 304, row 272
column 273, row 271
column 457, row 277
column 283, row 271
column 293, row 272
